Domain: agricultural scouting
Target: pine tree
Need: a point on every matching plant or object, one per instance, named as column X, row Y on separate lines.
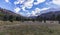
column 11, row 18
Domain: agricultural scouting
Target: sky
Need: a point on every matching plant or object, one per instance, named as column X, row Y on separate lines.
column 29, row 7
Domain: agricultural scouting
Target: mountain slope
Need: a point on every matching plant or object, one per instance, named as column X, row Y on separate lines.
column 49, row 15
column 7, row 12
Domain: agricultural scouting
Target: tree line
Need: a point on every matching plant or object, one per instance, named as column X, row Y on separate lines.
column 5, row 16
column 12, row 18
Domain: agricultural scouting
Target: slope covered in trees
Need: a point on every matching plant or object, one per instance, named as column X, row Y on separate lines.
column 8, row 15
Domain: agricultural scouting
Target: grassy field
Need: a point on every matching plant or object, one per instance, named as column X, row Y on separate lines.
column 29, row 28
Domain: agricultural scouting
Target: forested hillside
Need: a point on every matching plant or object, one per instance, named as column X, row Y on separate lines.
column 7, row 15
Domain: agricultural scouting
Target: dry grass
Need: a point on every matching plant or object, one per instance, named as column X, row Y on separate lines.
column 33, row 28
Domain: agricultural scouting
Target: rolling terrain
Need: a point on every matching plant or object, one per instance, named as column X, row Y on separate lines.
column 28, row 27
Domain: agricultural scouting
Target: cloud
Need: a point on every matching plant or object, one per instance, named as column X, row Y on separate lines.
column 39, row 1
column 25, row 4
column 28, row 14
column 38, row 11
column 20, row 1
column 23, row 8
column 35, row 12
column 57, row 2
column 28, row 5
column 45, row 8
column 7, row 1
column 54, row 2
column 30, row 1
column 17, row 10
column 16, row 2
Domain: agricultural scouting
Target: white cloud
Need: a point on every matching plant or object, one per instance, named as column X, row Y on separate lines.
column 30, row 1
column 35, row 12
column 57, row 2
column 17, row 9
column 6, row 0
column 38, row 11
column 45, row 9
column 53, row 2
column 39, row 1
column 28, row 5
column 16, row 2
column 21, row 1
column 23, row 8
column 28, row 14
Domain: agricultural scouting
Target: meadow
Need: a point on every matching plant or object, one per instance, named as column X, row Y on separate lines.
column 29, row 28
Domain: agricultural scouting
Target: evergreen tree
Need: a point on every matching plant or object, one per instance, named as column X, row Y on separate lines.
column 5, row 18
column 17, row 18
column 11, row 18
column 53, row 17
column 58, row 18
column 44, row 18
column 39, row 18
